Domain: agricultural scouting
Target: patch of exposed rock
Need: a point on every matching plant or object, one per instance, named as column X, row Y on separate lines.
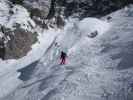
column 18, row 42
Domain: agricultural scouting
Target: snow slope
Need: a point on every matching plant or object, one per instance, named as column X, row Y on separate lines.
column 97, row 69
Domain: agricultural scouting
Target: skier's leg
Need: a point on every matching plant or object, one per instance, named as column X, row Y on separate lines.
column 64, row 61
column 2, row 53
column 3, row 56
column 61, row 61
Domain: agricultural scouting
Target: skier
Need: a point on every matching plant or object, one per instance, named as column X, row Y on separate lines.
column 2, row 48
column 63, row 58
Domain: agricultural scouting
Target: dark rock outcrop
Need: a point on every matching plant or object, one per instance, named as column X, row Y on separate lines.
column 18, row 42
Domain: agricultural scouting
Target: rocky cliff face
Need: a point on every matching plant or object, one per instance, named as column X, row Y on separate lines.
column 82, row 8
column 44, row 13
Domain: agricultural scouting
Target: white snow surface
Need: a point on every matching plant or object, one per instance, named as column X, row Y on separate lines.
column 92, row 70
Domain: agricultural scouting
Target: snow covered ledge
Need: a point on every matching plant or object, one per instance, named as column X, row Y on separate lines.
column 89, row 25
